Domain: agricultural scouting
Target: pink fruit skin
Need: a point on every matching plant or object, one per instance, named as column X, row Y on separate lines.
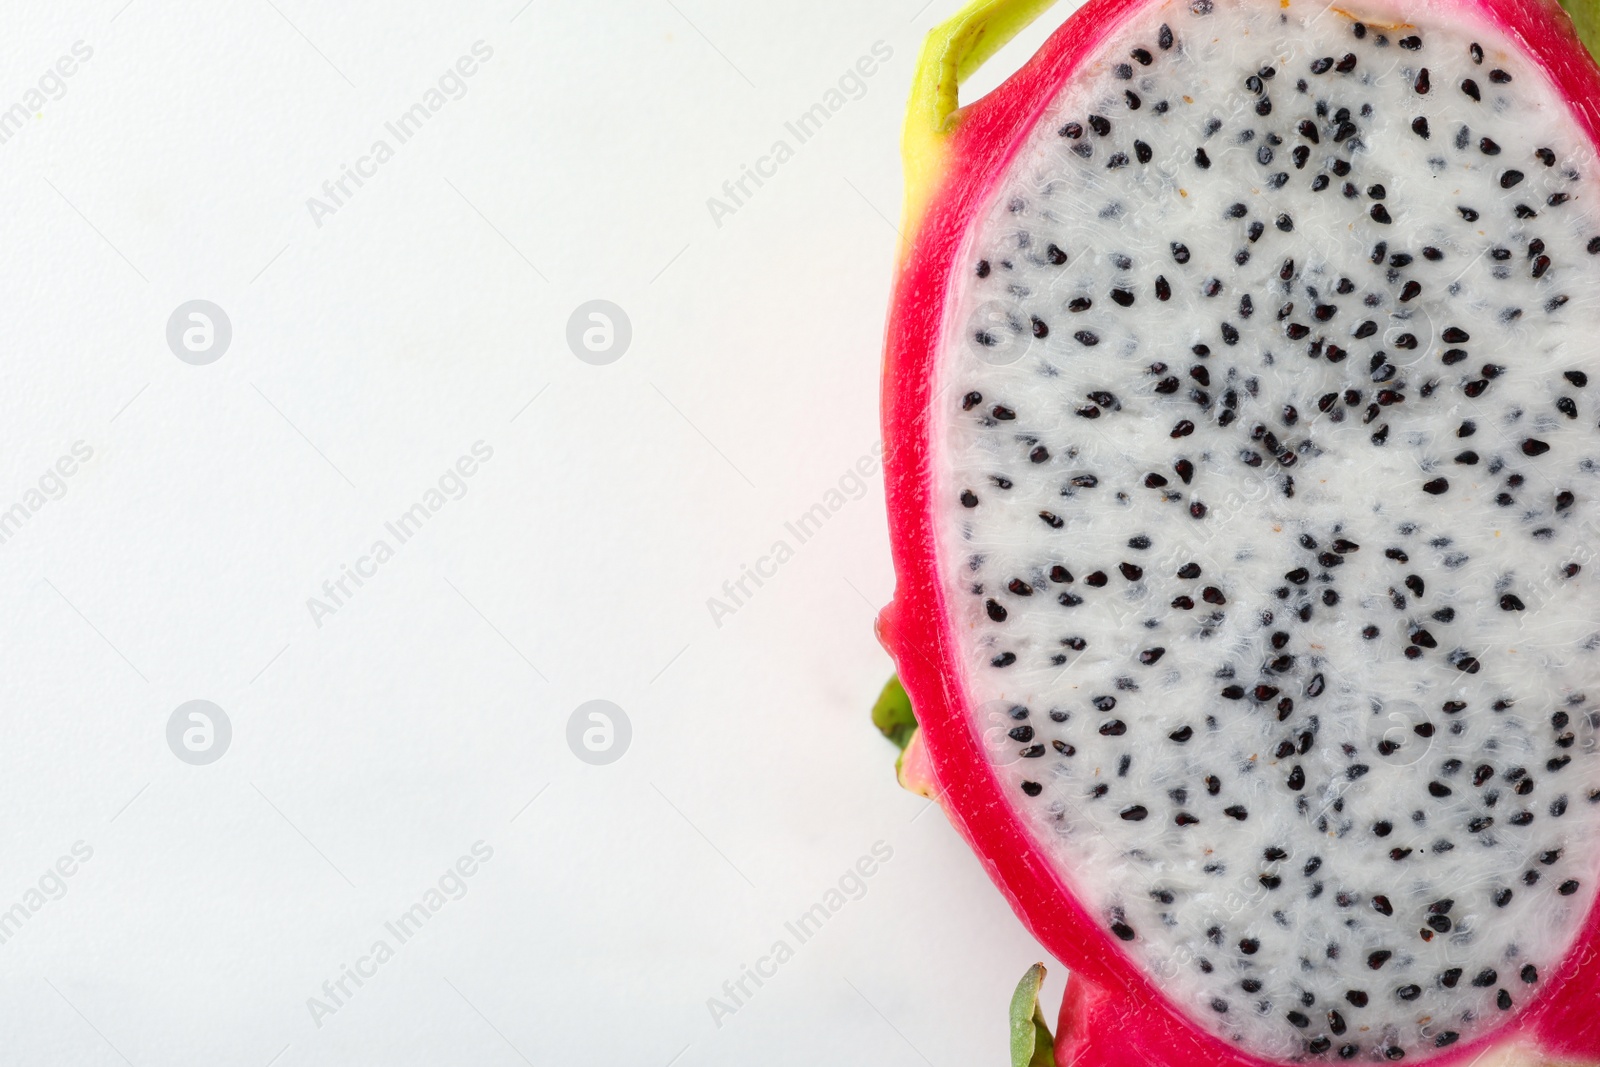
column 1113, row 1015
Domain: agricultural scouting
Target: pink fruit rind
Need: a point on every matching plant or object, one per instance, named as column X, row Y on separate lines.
column 1113, row 1015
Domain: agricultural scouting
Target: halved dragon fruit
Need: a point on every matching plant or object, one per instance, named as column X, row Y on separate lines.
column 1241, row 396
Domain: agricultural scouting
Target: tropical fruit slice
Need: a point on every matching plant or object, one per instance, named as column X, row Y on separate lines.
column 1241, row 402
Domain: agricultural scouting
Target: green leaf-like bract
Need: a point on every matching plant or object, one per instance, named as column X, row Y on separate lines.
column 1031, row 1043
column 1586, row 17
column 892, row 714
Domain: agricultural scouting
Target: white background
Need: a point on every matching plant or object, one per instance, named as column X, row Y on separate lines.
column 369, row 352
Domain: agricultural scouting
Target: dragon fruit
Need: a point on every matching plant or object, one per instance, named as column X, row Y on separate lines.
column 1241, row 396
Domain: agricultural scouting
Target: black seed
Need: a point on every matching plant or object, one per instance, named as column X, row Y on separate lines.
column 1468, row 213
column 1510, row 179
column 1356, row 997
column 1534, row 447
column 1568, row 887
column 1100, row 124
column 1053, row 522
column 1322, row 66
column 1347, row 64
column 1033, row 789
column 1121, row 929
column 996, row 612
column 1436, row 486
column 1135, row 813
column 1164, row 37
column 1470, row 87
column 1380, row 214
column 1202, row 160
column 968, row 499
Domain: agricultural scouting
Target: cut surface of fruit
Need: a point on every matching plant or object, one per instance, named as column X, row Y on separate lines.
column 1242, row 395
